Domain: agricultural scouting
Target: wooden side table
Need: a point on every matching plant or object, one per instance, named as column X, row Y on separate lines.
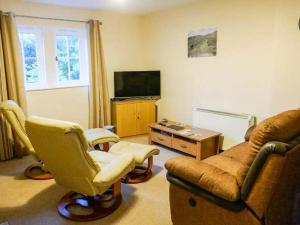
column 201, row 144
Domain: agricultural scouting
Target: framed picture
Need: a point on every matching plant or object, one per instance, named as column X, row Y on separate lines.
column 202, row 43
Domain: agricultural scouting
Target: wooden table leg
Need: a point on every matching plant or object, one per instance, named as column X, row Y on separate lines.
column 217, row 144
column 150, row 138
column 198, row 151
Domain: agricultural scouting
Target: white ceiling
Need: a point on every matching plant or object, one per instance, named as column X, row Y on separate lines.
column 130, row 6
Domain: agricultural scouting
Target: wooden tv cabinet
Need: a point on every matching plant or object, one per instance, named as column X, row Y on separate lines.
column 133, row 116
column 202, row 144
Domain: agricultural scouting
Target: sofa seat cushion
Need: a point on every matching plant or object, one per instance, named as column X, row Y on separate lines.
column 243, row 154
column 228, row 165
column 238, row 152
column 206, row 176
column 222, row 175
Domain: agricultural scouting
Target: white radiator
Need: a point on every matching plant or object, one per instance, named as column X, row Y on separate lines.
column 232, row 125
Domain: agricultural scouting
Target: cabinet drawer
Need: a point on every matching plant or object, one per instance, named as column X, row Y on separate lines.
column 184, row 146
column 161, row 139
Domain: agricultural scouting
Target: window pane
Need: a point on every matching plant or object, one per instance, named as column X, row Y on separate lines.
column 61, row 46
column 31, row 70
column 73, row 46
column 29, row 45
column 74, row 69
column 63, row 71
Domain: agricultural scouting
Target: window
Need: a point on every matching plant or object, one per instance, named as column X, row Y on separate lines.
column 71, row 57
column 66, row 61
column 28, row 43
column 30, row 40
column 67, row 57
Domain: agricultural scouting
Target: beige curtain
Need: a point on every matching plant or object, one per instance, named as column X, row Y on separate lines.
column 98, row 91
column 11, row 82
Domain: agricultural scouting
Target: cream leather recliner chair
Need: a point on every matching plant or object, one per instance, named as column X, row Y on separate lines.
column 16, row 118
column 95, row 138
column 64, row 149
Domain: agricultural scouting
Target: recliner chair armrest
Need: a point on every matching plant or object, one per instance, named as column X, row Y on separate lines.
column 206, row 176
column 115, row 170
column 99, row 136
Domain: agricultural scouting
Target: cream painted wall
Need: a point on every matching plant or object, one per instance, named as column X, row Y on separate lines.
column 69, row 104
column 285, row 82
column 122, row 41
column 255, row 71
column 256, row 68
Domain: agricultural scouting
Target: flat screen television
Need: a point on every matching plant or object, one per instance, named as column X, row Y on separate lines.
column 137, row 84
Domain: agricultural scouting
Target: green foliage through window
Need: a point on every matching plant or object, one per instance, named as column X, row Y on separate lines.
column 67, row 57
column 29, row 55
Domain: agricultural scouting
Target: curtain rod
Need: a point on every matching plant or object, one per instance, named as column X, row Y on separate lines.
column 50, row 18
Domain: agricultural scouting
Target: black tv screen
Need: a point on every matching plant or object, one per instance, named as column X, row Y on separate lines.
column 137, row 84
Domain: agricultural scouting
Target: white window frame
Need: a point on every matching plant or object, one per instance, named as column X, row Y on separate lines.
column 46, row 43
column 83, row 58
column 40, row 55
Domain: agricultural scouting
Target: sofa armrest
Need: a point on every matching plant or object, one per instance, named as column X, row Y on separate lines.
column 206, row 176
column 273, row 147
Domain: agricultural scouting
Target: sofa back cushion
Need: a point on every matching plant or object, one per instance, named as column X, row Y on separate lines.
column 282, row 127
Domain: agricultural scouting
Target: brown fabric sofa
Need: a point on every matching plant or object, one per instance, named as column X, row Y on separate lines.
column 253, row 183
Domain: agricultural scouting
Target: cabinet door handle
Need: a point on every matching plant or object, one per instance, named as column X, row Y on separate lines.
column 183, row 146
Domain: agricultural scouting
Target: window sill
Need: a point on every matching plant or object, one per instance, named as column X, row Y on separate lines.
column 56, row 87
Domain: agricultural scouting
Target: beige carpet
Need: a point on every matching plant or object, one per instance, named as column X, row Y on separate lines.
column 28, row 202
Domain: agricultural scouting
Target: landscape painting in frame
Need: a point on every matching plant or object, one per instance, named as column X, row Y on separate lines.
column 202, row 43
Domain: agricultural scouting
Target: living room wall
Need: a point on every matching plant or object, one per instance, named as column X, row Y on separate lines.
column 122, row 41
column 285, row 81
column 256, row 68
column 255, row 71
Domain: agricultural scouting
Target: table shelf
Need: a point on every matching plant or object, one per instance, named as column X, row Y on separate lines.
column 200, row 147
